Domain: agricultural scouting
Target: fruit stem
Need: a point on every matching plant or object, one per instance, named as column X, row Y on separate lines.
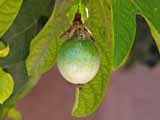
column 77, row 18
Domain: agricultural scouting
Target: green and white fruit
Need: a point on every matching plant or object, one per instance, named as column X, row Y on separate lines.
column 78, row 60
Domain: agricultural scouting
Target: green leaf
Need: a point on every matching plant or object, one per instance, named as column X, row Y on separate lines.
column 25, row 27
column 103, row 16
column 2, row 45
column 1, row 1
column 3, row 112
column 78, row 6
column 6, row 86
column 155, row 33
column 124, row 25
column 14, row 114
column 124, row 28
column 90, row 96
column 43, row 47
column 150, row 11
column 4, row 50
column 23, row 30
column 8, row 12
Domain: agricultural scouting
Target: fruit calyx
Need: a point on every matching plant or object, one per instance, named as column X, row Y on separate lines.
column 78, row 29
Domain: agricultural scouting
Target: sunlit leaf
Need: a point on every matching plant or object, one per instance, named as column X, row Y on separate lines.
column 43, row 49
column 4, row 51
column 26, row 26
column 112, row 23
column 14, row 114
column 6, row 86
column 8, row 12
column 90, row 96
column 23, row 30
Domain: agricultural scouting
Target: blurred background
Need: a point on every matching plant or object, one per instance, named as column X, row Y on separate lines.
column 133, row 92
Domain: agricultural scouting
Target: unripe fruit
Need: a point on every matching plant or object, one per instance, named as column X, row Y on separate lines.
column 78, row 60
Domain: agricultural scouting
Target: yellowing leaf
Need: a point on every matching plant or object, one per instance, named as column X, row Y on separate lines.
column 43, row 48
column 6, row 86
column 14, row 114
column 4, row 52
column 155, row 33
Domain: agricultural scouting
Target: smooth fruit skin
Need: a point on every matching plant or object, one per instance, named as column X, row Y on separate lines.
column 78, row 60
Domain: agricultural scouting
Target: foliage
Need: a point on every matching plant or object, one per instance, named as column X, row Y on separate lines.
column 4, row 50
column 6, row 85
column 18, row 37
column 14, row 114
column 32, row 34
column 124, row 32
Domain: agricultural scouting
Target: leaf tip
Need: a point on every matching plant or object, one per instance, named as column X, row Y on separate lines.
column 5, row 51
column 76, row 102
